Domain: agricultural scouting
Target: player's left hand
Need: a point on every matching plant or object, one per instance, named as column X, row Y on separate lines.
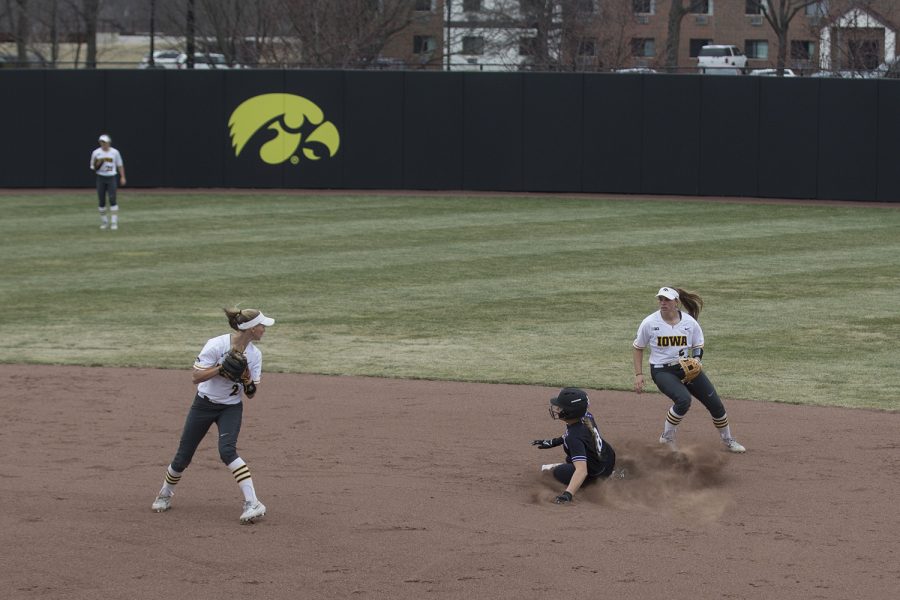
column 563, row 498
column 542, row 444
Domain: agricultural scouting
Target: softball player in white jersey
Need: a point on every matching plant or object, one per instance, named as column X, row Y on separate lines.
column 107, row 163
column 220, row 400
column 671, row 333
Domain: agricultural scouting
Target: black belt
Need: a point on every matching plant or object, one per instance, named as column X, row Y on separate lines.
column 671, row 364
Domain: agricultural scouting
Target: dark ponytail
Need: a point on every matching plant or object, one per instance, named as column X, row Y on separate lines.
column 691, row 302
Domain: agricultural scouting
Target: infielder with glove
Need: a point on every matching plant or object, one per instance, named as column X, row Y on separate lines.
column 588, row 456
column 228, row 367
column 676, row 347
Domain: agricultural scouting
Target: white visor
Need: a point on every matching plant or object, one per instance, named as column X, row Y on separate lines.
column 104, row 138
column 259, row 319
column 666, row 292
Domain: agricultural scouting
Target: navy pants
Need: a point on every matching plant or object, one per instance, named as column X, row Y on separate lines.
column 106, row 185
column 563, row 474
column 200, row 418
column 668, row 380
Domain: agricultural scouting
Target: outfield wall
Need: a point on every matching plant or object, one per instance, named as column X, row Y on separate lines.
column 542, row 132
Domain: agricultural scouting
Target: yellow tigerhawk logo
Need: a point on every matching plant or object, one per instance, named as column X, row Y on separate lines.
column 295, row 120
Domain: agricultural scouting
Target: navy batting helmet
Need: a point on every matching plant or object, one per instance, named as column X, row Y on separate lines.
column 571, row 403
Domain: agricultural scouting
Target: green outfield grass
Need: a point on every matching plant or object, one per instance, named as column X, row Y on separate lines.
column 802, row 301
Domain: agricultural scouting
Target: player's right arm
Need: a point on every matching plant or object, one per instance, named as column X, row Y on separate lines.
column 199, row 375
column 207, row 364
column 637, row 356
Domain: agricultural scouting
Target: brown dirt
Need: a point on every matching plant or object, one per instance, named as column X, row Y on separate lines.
column 380, row 488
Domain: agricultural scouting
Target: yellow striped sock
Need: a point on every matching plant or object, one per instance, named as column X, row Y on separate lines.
column 241, row 473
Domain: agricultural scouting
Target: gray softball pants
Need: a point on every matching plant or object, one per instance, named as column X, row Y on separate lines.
column 668, row 380
column 200, row 418
column 106, row 185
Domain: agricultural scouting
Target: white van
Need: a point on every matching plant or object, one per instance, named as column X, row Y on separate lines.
column 203, row 60
column 721, row 60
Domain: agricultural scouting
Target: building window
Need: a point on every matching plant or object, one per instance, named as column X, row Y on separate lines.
column 643, row 47
column 587, row 47
column 701, row 7
column 758, row 49
column 471, row 5
column 423, row 5
column 817, row 9
column 753, row 7
column 802, row 49
column 864, row 54
column 643, row 7
column 473, row 45
column 423, row 44
column 695, row 46
column 527, row 46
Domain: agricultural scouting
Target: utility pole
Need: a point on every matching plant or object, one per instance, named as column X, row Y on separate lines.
column 152, row 33
column 447, row 30
column 190, row 34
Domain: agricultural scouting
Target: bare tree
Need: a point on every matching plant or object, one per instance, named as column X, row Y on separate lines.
column 23, row 31
column 595, row 36
column 90, row 13
column 779, row 14
column 341, row 34
column 677, row 11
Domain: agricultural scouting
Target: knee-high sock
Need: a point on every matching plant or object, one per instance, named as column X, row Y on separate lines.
column 241, row 473
column 172, row 479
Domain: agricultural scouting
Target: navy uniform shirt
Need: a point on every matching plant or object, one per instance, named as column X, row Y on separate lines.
column 581, row 444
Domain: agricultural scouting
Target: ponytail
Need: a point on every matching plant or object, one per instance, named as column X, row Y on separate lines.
column 236, row 316
column 691, row 302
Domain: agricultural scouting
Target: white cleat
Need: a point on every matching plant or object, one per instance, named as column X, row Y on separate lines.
column 162, row 504
column 732, row 446
column 668, row 441
column 103, row 226
column 252, row 510
column 114, row 226
column 549, row 467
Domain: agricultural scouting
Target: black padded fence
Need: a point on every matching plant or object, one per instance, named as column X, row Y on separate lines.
column 542, row 132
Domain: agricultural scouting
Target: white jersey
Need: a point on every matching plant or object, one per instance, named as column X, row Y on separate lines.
column 222, row 390
column 666, row 341
column 111, row 158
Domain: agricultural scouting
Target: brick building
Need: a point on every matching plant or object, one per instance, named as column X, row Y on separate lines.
column 615, row 34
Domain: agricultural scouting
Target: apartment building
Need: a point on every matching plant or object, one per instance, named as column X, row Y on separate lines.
column 602, row 35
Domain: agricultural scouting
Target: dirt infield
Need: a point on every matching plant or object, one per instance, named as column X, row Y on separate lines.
column 391, row 489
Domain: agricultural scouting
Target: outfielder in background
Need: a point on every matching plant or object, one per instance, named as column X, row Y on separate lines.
column 676, row 347
column 588, row 456
column 228, row 367
column 107, row 163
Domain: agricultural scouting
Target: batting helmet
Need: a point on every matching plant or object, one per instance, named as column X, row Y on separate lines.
column 571, row 403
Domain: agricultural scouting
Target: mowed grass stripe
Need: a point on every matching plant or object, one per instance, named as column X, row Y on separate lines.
column 546, row 290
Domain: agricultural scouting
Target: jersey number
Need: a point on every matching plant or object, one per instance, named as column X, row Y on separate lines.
column 598, row 441
column 234, row 390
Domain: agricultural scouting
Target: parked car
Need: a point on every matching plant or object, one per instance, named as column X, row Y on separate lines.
column 890, row 68
column 721, row 60
column 33, row 59
column 162, row 59
column 848, row 74
column 772, row 72
column 204, row 60
column 636, row 70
